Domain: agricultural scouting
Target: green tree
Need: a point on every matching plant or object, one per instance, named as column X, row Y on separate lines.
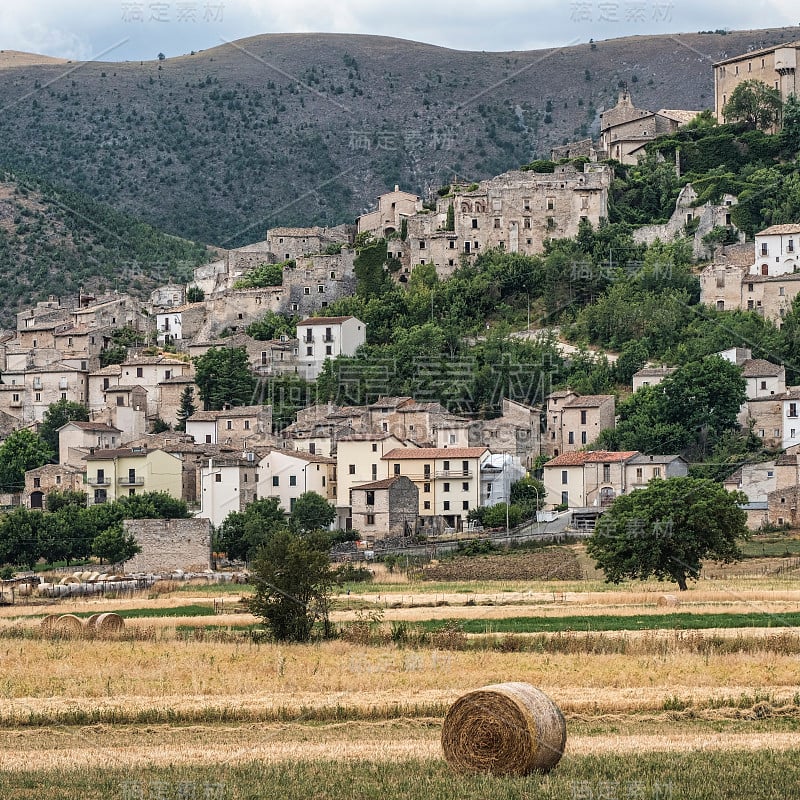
column 450, row 222
column 223, row 376
column 272, row 325
column 243, row 532
column 194, row 294
column 56, row 500
column 114, row 547
column 790, row 128
column 19, row 537
column 293, row 580
column 21, row 451
column 311, row 512
column 185, row 409
column 528, row 495
column 59, row 414
column 755, row 103
column 667, row 529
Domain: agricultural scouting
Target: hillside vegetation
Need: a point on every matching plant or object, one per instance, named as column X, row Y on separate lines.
column 297, row 129
column 57, row 242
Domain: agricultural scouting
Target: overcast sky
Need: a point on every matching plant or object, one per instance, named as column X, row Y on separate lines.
column 116, row 30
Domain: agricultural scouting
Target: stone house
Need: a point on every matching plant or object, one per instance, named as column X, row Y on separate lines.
column 516, row 211
column 782, row 502
column 650, row 376
column 75, row 439
column 385, row 508
column 51, row 478
column 29, row 393
column 294, row 243
column 448, row 481
column 323, row 338
column 387, row 218
column 691, row 221
column 756, row 481
column 574, row 422
column 238, row 426
column 128, row 471
column 412, row 421
column 272, row 357
column 170, row 392
column 641, row 469
column 286, row 474
column 518, row 432
column 586, row 479
column 776, row 66
column 625, row 129
column 149, row 372
column 227, row 484
column 125, row 408
column 765, row 416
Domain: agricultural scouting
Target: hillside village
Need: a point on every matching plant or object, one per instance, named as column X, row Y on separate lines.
column 396, row 466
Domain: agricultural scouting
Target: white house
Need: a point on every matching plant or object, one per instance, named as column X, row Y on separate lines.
column 791, row 418
column 286, row 474
column 322, row 338
column 227, row 484
column 776, row 250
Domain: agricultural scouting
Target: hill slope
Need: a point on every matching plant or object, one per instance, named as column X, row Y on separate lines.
column 308, row 128
column 57, row 242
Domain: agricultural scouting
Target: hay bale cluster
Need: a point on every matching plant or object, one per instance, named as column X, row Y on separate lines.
column 72, row 625
column 504, row 729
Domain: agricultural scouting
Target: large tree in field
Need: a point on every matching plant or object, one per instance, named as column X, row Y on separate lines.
column 667, row 530
column 293, row 580
column 243, row 533
column 223, row 376
column 755, row 103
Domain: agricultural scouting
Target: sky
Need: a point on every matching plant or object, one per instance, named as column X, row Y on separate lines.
column 119, row 30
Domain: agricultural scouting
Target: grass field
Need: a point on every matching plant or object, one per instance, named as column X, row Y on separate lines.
column 700, row 701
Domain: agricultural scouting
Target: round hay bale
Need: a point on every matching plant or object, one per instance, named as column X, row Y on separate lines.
column 47, row 623
column 668, row 600
column 91, row 622
column 67, row 623
column 504, row 729
column 24, row 589
column 44, row 589
column 109, row 623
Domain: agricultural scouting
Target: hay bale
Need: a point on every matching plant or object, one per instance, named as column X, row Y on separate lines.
column 504, row 729
column 92, row 621
column 67, row 624
column 668, row 600
column 109, row 623
column 47, row 623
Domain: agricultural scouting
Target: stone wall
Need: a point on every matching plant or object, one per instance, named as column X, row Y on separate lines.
column 169, row 545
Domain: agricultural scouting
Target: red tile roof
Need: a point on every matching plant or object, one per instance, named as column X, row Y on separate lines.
column 400, row 453
column 592, row 457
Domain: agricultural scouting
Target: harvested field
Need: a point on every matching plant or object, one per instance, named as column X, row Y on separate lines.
column 554, row 563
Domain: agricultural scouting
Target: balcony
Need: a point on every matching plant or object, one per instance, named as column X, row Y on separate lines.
column 328, row 338
column 453, row 473
column 130, row 481
column 98, row 481
column 308, row 339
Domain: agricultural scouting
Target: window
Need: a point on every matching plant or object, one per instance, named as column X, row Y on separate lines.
column 421, row 244
column 396, row 469
column 15, row 398
column 167, row 374
column 427, row 470
column 374, row 447
column 656, row 472
column 63, row 395
column 465, row 505
column 792, row 410
column 208, row 435
column 583, row 417
column 370, row 519
column 526, row 223
column 37, row 482
column 446, row 505
column 306, row 290
column 583, row 437
column 293, row 480
column 276, row 480
column 229, row 424
column 446, row 487
column 465, row 467
column 790, row 246
column 38, row 398
column 749, row 287
column 763, row 384
column 639, row 473
column 564, row 476
column 475, row 224
column 427, row 505
column 309, row 351
column 606, row 473
column 328, row 350
column 465, row 486
column 720, row 305
column 139, row 372
column 446, row 466
column 218, row 478
column 564, row 498
column 352, row 469
column 321, row 289
column 764, row 249
column 312, row 448
column 426, row 487
column 781, row 291
column 551, row 203
column 370, row 498
column 247, row 424
column 571, row 437
column 497, row 222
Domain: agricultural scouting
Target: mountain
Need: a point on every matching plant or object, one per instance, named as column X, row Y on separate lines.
column 295, row 129
column 54, row 241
